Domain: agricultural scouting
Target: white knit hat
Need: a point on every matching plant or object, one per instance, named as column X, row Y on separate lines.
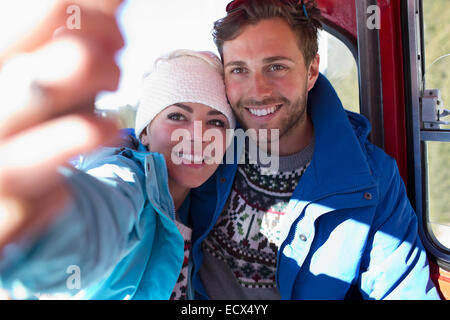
column 183, row 76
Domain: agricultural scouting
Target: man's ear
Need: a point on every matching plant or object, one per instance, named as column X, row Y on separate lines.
column 313, row 72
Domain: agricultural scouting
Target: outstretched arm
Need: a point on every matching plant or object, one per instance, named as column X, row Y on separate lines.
column 97, row 228
column 48, row 83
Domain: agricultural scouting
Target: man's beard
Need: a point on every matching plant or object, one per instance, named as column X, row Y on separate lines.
column 296, row 113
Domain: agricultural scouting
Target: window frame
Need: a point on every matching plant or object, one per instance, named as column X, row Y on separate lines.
column 366, row 51
column 352, row 46
column 369, row 71
column 414, row 61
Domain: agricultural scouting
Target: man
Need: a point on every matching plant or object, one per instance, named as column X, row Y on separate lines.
column 334, row 222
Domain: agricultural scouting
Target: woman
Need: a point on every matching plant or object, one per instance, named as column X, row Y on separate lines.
column 129, row 222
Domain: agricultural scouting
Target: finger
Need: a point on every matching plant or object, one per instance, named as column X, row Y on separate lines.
column 98, row 72
column 57, row 17
column 28, row 161
column 96, row 25
column 82, row 71
column 106, row 6
column 69, row 73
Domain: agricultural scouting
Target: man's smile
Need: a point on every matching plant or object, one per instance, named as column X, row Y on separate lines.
column 265, row 111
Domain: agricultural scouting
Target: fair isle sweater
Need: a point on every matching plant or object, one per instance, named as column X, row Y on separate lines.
column 241, row 250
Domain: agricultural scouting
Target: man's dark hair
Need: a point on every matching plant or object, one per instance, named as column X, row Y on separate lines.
column 253, row 11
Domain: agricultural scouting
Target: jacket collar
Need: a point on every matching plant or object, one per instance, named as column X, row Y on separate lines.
column 157, row 184
column 155, row 172
column 339, row 162
column 155, row 169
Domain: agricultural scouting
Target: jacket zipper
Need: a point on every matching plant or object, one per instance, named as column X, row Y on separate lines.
column 173, row 211
column 288, row 239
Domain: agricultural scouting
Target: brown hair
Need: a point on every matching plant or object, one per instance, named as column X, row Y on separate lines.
column 253, row 11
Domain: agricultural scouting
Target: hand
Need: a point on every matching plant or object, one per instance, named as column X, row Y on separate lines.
column 48, row 84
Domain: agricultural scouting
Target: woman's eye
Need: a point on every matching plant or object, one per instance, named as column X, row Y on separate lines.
column 217, row 123
column 237, row 70
column 176, row 117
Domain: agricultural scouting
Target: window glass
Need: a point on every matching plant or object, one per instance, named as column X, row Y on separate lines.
column 438, row 191
column 437, row 47
column 339, row 66
column 151, row 29
column 437, row 76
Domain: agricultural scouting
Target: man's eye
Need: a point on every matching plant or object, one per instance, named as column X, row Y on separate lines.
column 217, row 123
column 176, row 117
column 277, row 67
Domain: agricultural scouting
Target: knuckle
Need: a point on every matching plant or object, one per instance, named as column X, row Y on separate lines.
column 7, row 181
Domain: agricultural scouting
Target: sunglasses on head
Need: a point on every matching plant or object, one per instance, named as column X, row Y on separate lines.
column 235, row 4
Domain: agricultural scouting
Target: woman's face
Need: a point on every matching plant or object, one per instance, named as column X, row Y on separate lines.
column 192, row 138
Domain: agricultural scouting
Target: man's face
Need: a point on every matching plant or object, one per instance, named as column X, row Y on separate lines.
column 266, row 78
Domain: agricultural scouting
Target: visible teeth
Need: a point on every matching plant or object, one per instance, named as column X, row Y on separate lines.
column 263, row 112
column 189, row 157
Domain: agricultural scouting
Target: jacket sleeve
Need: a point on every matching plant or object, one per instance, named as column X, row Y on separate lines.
column 87, row 240
column 395, row 264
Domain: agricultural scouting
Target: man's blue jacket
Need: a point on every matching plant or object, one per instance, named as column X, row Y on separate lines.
column 349, row 222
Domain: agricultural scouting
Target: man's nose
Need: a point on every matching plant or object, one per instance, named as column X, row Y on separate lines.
column 260, row 87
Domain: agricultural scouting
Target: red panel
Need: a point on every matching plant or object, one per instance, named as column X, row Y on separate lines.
column 340, row 15
column 393, row 83
column 441, row 279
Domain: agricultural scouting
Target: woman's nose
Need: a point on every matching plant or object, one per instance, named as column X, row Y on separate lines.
column 197, row 133
column 197, row 130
